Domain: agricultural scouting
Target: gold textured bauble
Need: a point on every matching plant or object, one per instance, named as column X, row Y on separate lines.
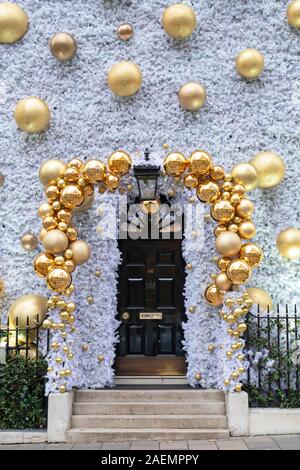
column 270, row 169
column 45, row 209
column 29, row 241
column 247, row 230
column 260, row 297
column 124, row 78
column 125, row 31
column 208, row 191
column 190, row 181
column 213, row 295
column 245, row 208
column 288, row 243
column 59, row 279
column 217, row 173
column 179, row 21
column 175, row 164
column 198, row 376
column 63, row 46
column 94, row 171
column 245, row 174
column 31, row 306
column 13, row 23
column 252, row 254
column 222, row 282
column 71, row 196
column 55, row 242
column 42, row 263
column 192, row 96
column 222, row 211
column 64, row 215
column 250, row 63
column 81, row 251
column 293, row 14
column 228, row 243
column 119, row 163
column 50, row 171
column 32, row 115
column 238, row 271
column 200, row 162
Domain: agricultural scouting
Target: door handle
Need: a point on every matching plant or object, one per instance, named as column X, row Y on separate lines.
column 125, row 316
column 150, row 271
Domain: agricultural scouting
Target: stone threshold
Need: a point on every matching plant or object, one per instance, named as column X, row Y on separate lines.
column 22, row 437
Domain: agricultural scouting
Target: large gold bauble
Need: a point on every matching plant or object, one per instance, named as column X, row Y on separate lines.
column 80, row 251
column 190, row 181
column 270, row 169
column 42, row 263
column 32, row 115
column 55, row 241
column 63, row 46
column 238, row 271
column 59, row 279
column 222, row 282
column 260, row 297
column 112, row 182
column 29, row 241
column 200, row 162
column 175, row 164
column 13, row 23
column 213, row 295
column 86, row 205
column 31, row 306
column 228, row 243
column 252, row 254
column 250, row 63
column 119, row 163
column 245, row 208
column 222, row 211
column 245, row 174
column 94, row 171
column 208, row 191
column 50, row 171
column 288, row 243
column 247, row 229
column 192, row 96
column 179, row 21
column 124, row 78
column 71, row 196
column 293, row 14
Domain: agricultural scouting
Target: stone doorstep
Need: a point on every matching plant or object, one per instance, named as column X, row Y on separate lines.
column 22, row 437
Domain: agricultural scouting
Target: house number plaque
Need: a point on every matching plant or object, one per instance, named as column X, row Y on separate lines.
column 150, row 315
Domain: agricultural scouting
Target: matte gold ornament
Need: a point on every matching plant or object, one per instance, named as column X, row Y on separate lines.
column 245, row 174
column 190, row 181
column 247, row 229
column 245, row 208
column 200, row 162
column 222, row 282
column 29, row 241
column 250, row 63
column 125, row 31
column 13, row 23
column 45, row 209
column 124, row 78
column 31, row 306
column 238, row 271
column 270, row 169
column 260, row 297
column 80, row 252
column 288, row 243
column 63, row 46
column 100, row 358
column 119, row 163
column 50, row 171
column 71, row 196
column 293, row 14
column 59, row 279
column 192, row 96
column 208, row 191
column 213, row 295
column 32, row 115
column 198, row 376
column 175, row 164
column 55, row 242
column 222, row 211
column 228, row 243
column 252, row 254
column 179, row 21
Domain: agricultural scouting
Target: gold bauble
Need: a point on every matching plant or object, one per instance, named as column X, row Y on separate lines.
column 217, row 173
column 190, row 181
column 219, row 229
column 124, row 78
column 245, row 174
column 242, row 327
column 58, row 279
column 238, row 271
column 179, row 21
column 29, row 241
column 228, row 243
column 175, row 164
column 100, row 358
column 125, row 31
column 211, row 348
column 71, row 196
column 198, row 376
column 229, row 354
column 200, row 162
column 247, row 230
column 13, row 23
column 270, row 169
column 32, row 115
column 222, row 263
column 119, row 163
column 252, row 254
column 288, row 243
column 50, row 171
column 245, row 208
column 45, row 209
column 70, row 265
column 222, row 211
column 47, row 324
column 222, row 282
column 31, row 306
column 208, row 191
column 234, row 375
column 250, row 63
column 63, row 46
column 55, row 241
column 213, row 295
column 260, row 297
column 42, row 263
column 94, row 171
column 64, row 215
column 226, row 382
column 81, row 251
column 238, row 387
column 293, row 14
column 192, row 96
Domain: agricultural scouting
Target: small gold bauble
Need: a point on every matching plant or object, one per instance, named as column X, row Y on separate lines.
column 228, row 243
column 252, row 254
column 189, row 266
column 55, row 242
column 98, row 273
column 213, row 295
column 210, row 348
column 208, row 191
column 200, row 162
column 49, row 223
column 229, row 354
column 13, row 23
column 85, row 347
column 250, row 63
column 226, row 382
column 119, row 163
column 71, row 196
column 72, row 233
column 222, row 263
column 90, row 299
column 217, row 173
column 234, row 375
column 238, row 271
column 270, row 169
column 32, row 307
column 50, row 171
column 42, row 263
column 62, row 389
column 179, row 21
column 111, row 182
column 288, row 243
column 242, row 327
column 190, row 181
column 125, row 31
column 58, row 279
column 198, row 376
column 219, row 229
column 32, row 115
column 29, row 241
column 229, row 302
column 47, row 324
column 94, row 171
column 100, row 358
column 80, row 251
column 175, row 164
column 124, row 78
column 192, row 96
column 2, row 288
column 247, row 230
column 245, row 174
column 192, row 309
column 64, row 216
column 245, row 208
column 222, row 211
column 238, row 387
column 293, row 14
column 63, row 46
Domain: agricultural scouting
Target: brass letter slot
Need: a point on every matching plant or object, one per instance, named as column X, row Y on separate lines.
column 150, row 315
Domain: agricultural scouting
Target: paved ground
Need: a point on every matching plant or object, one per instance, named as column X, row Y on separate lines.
column 291, row 442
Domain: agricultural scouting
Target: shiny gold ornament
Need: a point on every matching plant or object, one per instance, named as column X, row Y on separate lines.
column 59, row 279
column 217, row 173
column 247, row 230
column 55, row 241
column 293, row 14
column 189, row 266
column 119, row 163
column 222, row 211
column 71, row 196
column 211, row 348
column 288, row 243
column 245, row 208
column 86, row 205
column 229, row 302
column 85, row 347
column 100, row 358
column 239, row 189
column 240, row 357
column 228, row 244
column 235, row 199
column 245, row 174
column 219, row 229
column 235, row 375
column 64, row 315
column 252, row 254
column 229, row 354
column 198, row 376
column 238, row 387
column 260, row 297
column 226, row 382
column 70, row 356
column 94, row 171
column 230, row 319
column 75, row 163
column 50, row 171
column 32, row 115
column 222, row 282
column 124, row 78
column 13, row 23
column 90, row 299
column 111, row 182
column 63, row 46
column 242, row 327
column 238, row 271
column 208, row 191
column 62, row 389
column 192, row 309
column 72, row 234
column 179, row 21
column 233, row 228
column 47, row 324
column 175, row 164
column 200, row 162
column 32, row 307
column 270, row 169
column 45, row 210
column 52, row 192
column 125, row 31
column 70, row 265
column 190, row 181
column 29, row 241
column 222, row 263
column 49, row 223
column 42, row 263
column 192, row 96
column 250, row 63
column 213, row 295
column 71, row 175
column 80, row 251
column 227, row 186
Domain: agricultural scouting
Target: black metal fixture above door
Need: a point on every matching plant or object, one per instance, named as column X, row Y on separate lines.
column 146, row 177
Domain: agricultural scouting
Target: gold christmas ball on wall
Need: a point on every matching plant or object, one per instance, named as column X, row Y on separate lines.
column 179, row 21
column 59, row 279
column 29, row 241
column 245, row 174
column 245, row 208
column 192, row 96
column 55, row 242
column 288, row 243
column 13, row 22
column 198, row 376
column 112, row 182
column 293, row 14
column 208, row 191
column 252, row 254
column 71, row 196
column 200, row 162
column 175, row 164
column 86, row 205
column 250, row 63
column 260, row 297
column 80, row 251
column 238, row 271
column 125, row 31
column 222, row 211
column 270, row 169
column 124, row 78
column 63, row 46
column 222, row 282
column 190, row 181
column 50, row 171
column 33, row 306
column 94, row 171
column 119, row 163
column 213, row 295
column 32, row 115
column 247, row 230
column 228, row 243
column 45, row 209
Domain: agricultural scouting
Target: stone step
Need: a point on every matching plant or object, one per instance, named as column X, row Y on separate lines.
column 186, row 395
column 148, row 422
column 146, row 408
column 117, row 435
